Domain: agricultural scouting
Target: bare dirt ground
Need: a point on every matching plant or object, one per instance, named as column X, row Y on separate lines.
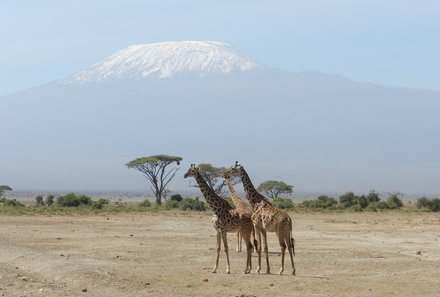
column 171, row 254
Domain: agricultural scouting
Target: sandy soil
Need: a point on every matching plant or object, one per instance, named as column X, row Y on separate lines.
column 171, row 254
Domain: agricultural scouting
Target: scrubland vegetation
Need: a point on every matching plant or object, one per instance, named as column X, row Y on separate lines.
column 74, row 203
column 79, row 203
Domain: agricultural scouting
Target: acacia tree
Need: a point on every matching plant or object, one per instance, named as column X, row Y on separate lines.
column 213, row 176
column 273, row 188
column 154, row 168
column 4, row 188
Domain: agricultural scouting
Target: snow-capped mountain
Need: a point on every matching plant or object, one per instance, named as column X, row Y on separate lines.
column 167, row 59
column 207, row 102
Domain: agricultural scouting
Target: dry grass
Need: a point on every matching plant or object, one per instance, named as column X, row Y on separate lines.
column 171, row 254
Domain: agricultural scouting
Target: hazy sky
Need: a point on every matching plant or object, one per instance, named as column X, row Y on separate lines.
column 394, row 42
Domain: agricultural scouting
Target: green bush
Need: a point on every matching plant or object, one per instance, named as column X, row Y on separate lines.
column 373, row 197
column 356, row 208
column 176, row 197
column 435, row 204
column 423, row 202
column 170, row 204
column 375, row 206
column 49, row 200
column 322, row 202
column 362, row 202
column 326, row 202
column 39, row 200
column 394, row 202
column 11, row 202
column 84, row 200
column 145, row 203
column 428, row 204
column 71, row 200
column 348, row 200
column 283, row 203
column 99, row 204
column 192, row 204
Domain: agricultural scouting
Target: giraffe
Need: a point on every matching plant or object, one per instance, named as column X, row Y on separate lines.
column 266, row 218
column 225, row 220
column 242, row 208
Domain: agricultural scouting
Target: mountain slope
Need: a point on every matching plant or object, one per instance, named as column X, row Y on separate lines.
column 321, row 133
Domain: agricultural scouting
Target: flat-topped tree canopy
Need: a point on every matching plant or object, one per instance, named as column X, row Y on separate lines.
column 154, row 169
column 156, row 159
column 213, row 176
column 4, row 188
column 274, row 188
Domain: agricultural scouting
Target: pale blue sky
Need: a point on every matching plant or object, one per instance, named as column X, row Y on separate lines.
column 393, row 42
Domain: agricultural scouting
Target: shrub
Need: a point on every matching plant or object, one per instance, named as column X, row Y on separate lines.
column 176, row 197
column 71, row 200
column 322, row 202
column 394, row 202
column 375, row 206
column 362, row 202
column 373, row 197
column 356, row 208
column 11, row 202
column 371, row 207
column 327, row 201
column 49, row 200
column 192, row 204
column 145, row 203
column 39, row 200
column 84, row 200
column 283, row 203
column 99, row 204
column 423, row 202
column 348, row 200
column 435, row 204
column 428, row 204
column 170, row 204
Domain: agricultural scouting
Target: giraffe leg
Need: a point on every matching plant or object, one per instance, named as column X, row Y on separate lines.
column 281, row 239
column 258, row 234
column 247, row 240
column 291, row 247
column 266, row 251
column 225, row 243
column 219, row 241
column 239, row 236
column 255, row 243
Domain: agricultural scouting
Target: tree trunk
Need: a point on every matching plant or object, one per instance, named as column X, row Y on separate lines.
column 158, row 195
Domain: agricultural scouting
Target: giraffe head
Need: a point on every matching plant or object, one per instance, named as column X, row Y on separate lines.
column 233, row 171
column 192, row 171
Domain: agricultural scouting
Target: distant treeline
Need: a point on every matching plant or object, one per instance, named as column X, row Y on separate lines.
column 370, row 202
column 347, row 201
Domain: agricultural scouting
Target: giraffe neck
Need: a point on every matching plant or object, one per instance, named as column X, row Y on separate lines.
column 238, row 202
column 252, row 194
column 215, row 202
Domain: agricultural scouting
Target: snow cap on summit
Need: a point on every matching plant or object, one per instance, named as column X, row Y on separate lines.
column 165, row 59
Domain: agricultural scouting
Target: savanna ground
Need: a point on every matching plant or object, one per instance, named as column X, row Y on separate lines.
column 172, row 254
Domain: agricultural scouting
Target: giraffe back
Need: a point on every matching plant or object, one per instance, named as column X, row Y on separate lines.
column 271, row 219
